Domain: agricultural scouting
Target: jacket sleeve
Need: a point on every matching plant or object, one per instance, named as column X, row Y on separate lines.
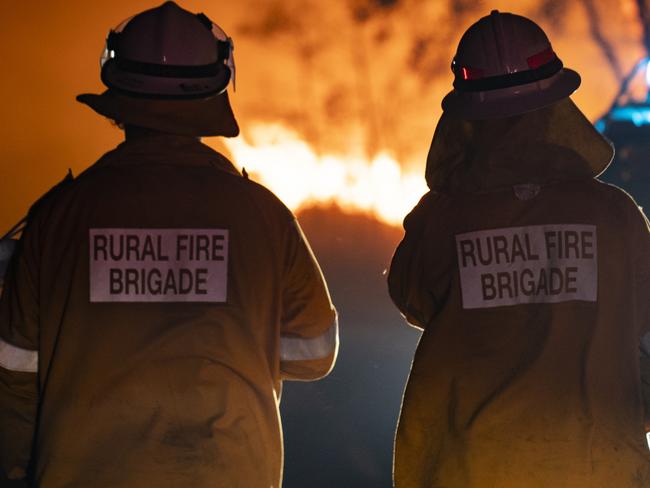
column 19, row 358
column 642, row 272
column 309, row 336
column 641, row 243
column 418, row 279
column 644, row 362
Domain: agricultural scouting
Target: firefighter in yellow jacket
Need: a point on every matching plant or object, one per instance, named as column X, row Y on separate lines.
column 530, row 280
column 155, row 303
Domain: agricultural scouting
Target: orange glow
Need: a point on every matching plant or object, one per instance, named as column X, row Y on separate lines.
column 315, row 74
column 279, row 159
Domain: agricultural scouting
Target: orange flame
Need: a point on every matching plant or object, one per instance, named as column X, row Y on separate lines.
column 279, row 159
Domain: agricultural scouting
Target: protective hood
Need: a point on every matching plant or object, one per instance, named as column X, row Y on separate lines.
column 554, row 143
column 212, row 116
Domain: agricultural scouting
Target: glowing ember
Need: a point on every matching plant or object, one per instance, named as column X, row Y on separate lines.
column 277, row 157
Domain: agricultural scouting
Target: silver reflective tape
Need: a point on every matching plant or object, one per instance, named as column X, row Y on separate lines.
column 298, row 349
column 16, row 359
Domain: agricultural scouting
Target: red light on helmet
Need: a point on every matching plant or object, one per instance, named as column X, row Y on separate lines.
column 471, row 73
column 540, row 59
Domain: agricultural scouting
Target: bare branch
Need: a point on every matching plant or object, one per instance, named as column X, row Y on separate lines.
column 645, row 23
column 599, row 38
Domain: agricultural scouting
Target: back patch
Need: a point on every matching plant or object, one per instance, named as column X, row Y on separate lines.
column 158, row 265
column 536, row 264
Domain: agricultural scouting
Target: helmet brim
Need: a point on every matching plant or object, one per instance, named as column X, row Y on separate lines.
column 506, row 102
column 212, row 116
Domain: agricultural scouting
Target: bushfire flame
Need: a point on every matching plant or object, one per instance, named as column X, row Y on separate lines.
column 278, row 158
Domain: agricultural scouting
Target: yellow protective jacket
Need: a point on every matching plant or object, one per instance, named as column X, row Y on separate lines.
column 531, row 281
column 153, row 308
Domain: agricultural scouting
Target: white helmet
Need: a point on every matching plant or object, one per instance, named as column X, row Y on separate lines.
column 504, row 66
column 168, row 52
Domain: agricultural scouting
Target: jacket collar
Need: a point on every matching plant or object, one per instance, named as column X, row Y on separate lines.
column 166, row 148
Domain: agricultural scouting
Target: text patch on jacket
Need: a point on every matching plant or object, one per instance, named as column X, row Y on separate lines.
column 158, row 265
column 536, row 264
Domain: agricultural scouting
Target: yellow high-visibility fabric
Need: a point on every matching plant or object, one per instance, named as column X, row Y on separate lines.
column 531, row 395
column 165, row 394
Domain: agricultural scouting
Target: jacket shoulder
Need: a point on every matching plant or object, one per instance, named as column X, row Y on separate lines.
column 51, row 195
column 264, row 197
column 618, row 199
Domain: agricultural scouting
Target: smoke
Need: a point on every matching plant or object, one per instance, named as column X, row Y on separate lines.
column 370, row 74
column 554, row 12
column 349, row 77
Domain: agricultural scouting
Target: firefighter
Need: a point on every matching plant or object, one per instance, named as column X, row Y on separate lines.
column 530, row 280
column 155, row 304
